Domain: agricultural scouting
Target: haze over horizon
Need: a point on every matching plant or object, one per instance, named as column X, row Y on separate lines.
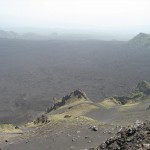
column 123, row 18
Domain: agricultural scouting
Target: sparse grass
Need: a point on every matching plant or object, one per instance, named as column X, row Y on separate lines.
column 75, row 113
column 128, row 106
column 74, row 102
column 57, row 119
column 9, row 128
column 84, row 120
column 78, row 107
column 109, row 103
column 137, row 95
column 147, row 98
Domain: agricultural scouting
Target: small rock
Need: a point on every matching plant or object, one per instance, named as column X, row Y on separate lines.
column 72, row 147
column 94, row 128
column 73, row 139
column 27, row 141
column 67, row 116
column 70, row 107
column 138, row 124
column 68, row 135
column 16, row 127
column 103, row 145
column 146, row 146
column 78, row 132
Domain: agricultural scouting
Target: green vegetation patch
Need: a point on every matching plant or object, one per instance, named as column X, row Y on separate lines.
column 73, row 102
column 9, row 128
column 128, row 106
column 109, row 103
column 69, row 116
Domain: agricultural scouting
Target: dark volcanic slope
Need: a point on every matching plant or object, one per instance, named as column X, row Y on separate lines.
column 33, row 72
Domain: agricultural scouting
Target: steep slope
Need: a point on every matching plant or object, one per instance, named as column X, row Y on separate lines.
column 74, row 96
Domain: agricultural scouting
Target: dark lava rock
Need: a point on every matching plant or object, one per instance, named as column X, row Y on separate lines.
column 41, row 119
column 144, row 87
column 67, row 116
column 148, row 108
column 130, row 138
column 75, row 94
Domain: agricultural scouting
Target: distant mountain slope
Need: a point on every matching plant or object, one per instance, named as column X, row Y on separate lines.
column 142, row 39
column 8, row 34
column 15, row 35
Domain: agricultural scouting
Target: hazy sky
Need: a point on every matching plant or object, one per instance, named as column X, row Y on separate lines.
column 78, row 14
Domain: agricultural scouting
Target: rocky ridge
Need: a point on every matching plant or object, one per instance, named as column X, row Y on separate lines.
column 77, row 94
column 136, row 137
